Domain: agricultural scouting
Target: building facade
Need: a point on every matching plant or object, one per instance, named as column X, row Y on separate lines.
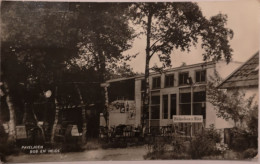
column 177, row 91
column 245, row 80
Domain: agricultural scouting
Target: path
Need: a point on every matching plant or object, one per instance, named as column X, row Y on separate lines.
column 131, row 153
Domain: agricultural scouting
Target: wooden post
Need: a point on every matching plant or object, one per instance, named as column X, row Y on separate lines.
column 84, row 121
column 56, row 116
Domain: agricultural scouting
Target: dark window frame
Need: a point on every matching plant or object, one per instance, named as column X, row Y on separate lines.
column 183, row 81
column 185, row 103
column 158, row 83
column 165, row 107
column 142, row 84
column 173, row 109
column 199, row 98
column 200, row 80
column 166, row 81
column 154, row 105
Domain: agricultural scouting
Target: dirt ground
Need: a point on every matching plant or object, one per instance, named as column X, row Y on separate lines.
column 117, row 154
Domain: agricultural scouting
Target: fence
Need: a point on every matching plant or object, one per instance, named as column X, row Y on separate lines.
column 128, row 131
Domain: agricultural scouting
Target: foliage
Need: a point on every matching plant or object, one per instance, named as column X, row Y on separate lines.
column 165, row 148
column 250, row 153
column 156, row 149
column 213, row 134
column 179, row 25
column 119, row 71
column 242, row 140
column 229, row 105
column 155, row 146
column 106, row 34
column 43, row 42
column 221, row 147
column 209, row 138
column 252, row 121
column 178, row 145
column 46, row 38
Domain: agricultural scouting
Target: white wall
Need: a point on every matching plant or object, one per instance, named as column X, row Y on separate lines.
column 211, row 118
column 225, row 69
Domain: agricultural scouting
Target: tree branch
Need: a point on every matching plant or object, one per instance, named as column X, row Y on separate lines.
column 155, row 42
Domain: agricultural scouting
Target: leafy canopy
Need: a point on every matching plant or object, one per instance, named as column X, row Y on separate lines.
column 180, row 25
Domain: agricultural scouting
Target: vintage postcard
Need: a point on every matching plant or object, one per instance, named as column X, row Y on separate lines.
column 129, row 81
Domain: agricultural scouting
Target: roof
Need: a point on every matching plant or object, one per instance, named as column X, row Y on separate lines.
column 167, row 70
column 245, row 76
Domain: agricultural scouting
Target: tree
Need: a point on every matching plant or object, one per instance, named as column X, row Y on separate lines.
column 230, row 105
column 106, row 34
column 169, row 26
column 35, row 41
column 45, row 39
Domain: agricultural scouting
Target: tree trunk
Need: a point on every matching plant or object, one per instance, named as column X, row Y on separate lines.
column 102, row 71
column 56, row 117
column 39, row 126
column 12, row 121
column 147, row 61
column 84, row 120
column 106, row 113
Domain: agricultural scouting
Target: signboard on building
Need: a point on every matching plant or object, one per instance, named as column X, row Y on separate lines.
column 187, row 119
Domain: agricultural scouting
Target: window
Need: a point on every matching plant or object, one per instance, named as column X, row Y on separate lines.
column 199, row 96
column 199, row 109
column 185, row 103
column 173, row 105
column 155, row 107
column 185, row 97
column 165, row 106
column 183, row 78
column 169, row 80
column 199, row 103
column 142, row 85
column 201, row 76
column 156, row 82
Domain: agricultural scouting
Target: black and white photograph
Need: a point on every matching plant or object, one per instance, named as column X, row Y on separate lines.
column 129, row 81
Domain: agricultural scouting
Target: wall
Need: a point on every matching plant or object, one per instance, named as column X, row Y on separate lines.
column 211, row 118
column 118, row 116
column 225, row 69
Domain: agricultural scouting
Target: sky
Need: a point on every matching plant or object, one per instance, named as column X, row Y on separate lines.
column 243, row 19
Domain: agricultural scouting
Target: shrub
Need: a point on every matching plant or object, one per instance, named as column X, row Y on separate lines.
column 242, row 140
column 252, row 124
column 211, row 133
column 178, row 145
column 182, row 156
column 204, row 143
column 156, row 147
column 250, row 153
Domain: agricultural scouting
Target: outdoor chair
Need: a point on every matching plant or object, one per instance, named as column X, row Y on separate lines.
column 128, row 131
column 119, row 130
